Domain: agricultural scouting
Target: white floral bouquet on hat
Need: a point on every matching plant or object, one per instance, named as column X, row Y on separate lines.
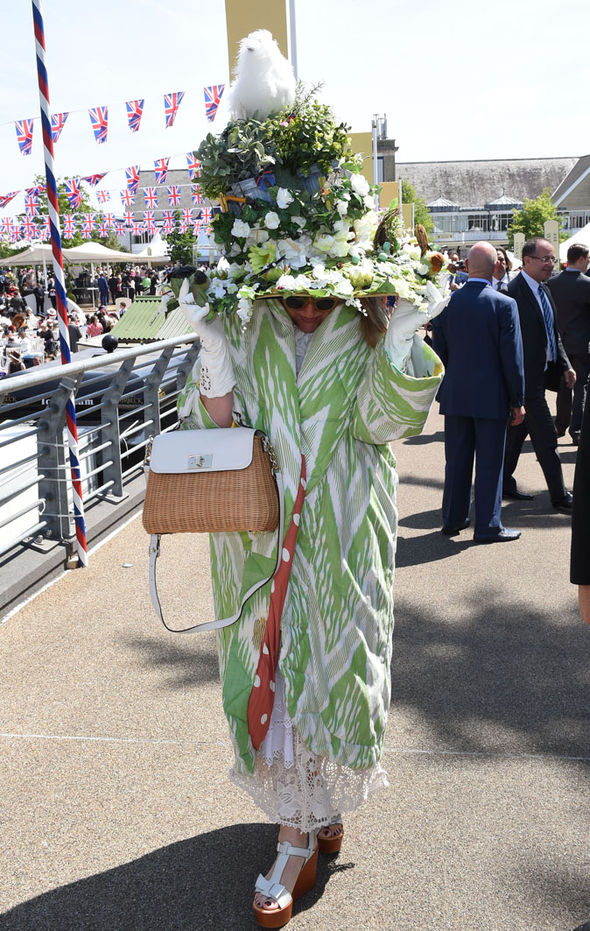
column 298, row 217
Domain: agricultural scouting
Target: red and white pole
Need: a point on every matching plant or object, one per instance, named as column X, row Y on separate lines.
column 58, row 271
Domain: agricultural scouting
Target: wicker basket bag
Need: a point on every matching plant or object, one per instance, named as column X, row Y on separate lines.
column 211, row 481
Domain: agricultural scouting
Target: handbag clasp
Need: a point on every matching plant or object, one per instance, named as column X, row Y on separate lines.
column 199, row 462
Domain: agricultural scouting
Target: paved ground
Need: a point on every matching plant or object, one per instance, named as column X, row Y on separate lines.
column 116, row 810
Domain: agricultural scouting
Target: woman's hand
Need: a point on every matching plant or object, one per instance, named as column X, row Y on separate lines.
column 406, row 319
column 217, row 375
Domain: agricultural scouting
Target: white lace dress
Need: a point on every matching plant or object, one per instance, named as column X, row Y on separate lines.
column 292, row 785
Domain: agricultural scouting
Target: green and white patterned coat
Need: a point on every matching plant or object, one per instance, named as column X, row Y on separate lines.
column 342, row 410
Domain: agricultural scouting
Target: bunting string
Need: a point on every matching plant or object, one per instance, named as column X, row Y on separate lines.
column 99, row 117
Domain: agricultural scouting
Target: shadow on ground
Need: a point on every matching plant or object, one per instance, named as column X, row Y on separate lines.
column 201, row 883
column 492, row 673
column 181, row 663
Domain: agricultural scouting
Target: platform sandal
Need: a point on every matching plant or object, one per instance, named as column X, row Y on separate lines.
column 333, row 843
column 272, row 888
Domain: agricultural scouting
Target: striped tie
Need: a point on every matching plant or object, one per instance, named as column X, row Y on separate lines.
column 549, row 324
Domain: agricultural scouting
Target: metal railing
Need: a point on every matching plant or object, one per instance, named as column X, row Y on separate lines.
column 122, row 399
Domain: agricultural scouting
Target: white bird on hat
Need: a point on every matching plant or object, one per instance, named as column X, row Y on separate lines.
column 265, row 83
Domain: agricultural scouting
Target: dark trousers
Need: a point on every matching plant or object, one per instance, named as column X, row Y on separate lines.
column 569, row 413
column 538, row 423
column 466, row 438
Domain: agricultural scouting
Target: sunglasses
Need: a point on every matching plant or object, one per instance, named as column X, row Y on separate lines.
column 321, row 303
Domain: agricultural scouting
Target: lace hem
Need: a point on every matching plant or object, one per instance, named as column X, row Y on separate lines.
column 310, row 792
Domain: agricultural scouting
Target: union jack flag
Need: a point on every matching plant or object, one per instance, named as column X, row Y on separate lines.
column 69, row 225
column 73, row 192
column 148, row 220
column 13, row 234
column 194, row 165
column 29, row 229
column 103, row 230
column 212, row 98
column 137, row 228
column 119, row 229
column 128, row 217
column 99, row 117
column 196, row 194
column 103, row 197
column 4, row 226
column 127, row 197
column 89, row 220
column 109, row 219
column 93, row 180
column 187, row 215
column 58, row 121
column 31, row 198
column 24, row 135
column 171, row 105
column 134, row 112
column 151, row 197
column 168, row 226
column 167, row 215
column 132, row 175
column 46, row 228
column 161, row 166
column 196, row 226
column 86, row 231
column 174, row 195
column 31, row 208
column 206, row 215
column 182, row 226
column 6, row 198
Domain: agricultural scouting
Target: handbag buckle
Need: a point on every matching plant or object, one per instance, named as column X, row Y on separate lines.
column 199, row 462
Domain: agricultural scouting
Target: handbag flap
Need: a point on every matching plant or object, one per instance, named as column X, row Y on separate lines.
column 217, row 450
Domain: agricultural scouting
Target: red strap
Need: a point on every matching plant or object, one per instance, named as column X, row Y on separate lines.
column 262, row 696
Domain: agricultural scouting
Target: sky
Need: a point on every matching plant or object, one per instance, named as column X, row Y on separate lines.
column 488, row 83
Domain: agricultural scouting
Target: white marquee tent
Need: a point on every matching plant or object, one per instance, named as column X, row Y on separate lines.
column 87, row 252
column 582, row 237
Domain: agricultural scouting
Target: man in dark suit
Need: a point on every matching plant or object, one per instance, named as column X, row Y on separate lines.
column 580, row 553
column 477, row 336
column 571, row 293
column 544, row 359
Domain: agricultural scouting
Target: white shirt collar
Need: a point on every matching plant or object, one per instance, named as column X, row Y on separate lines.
column 533, row 285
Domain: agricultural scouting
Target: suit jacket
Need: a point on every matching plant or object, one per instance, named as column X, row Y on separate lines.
column 580, row 554
column 477, row 336
column 534, row 337
column 571, row 293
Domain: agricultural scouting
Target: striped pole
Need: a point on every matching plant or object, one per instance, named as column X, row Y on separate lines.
column 58, row 271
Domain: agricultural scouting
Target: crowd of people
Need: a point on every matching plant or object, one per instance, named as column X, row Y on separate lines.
column 29, row 331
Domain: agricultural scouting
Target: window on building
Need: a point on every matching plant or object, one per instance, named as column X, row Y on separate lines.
column 478, row 221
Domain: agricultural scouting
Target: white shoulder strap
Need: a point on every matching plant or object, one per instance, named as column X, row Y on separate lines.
column 226, row 621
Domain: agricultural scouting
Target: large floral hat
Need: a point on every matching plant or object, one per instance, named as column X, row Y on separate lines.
column 297, row 215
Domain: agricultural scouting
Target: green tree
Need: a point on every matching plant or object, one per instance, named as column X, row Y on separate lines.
column 421, row 212
column 534, row 213
column 7, row 250
column 181, row 246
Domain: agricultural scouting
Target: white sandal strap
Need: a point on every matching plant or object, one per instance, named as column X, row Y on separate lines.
column 272, row 887
column 273, row 890
column 290, row 851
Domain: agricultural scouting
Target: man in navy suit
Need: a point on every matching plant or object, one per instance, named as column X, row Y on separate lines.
column 545, row 362
column 571, row 293
column 477, row 336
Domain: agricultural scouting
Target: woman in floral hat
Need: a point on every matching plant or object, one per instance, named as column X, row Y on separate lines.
column 296, row 341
